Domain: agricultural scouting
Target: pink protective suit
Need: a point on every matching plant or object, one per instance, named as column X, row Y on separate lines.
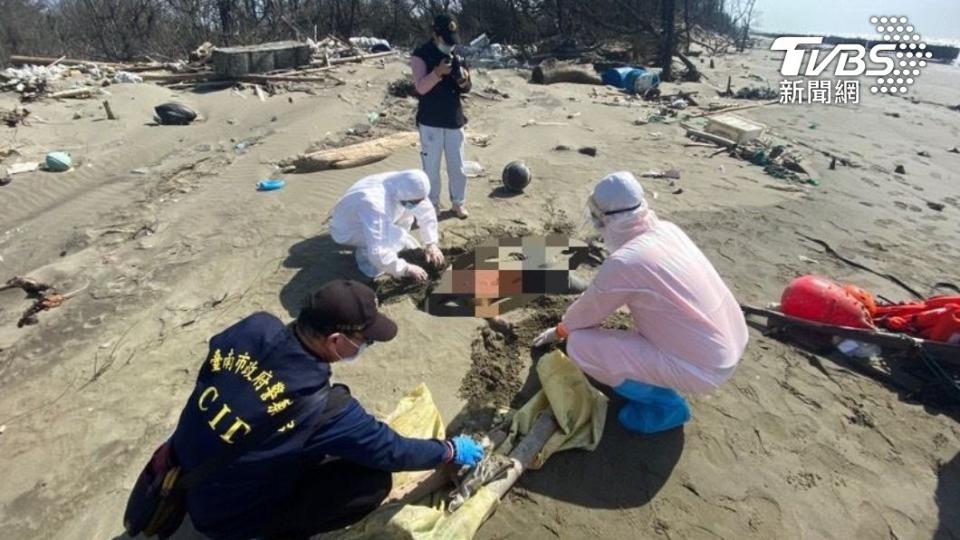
column 688, row 331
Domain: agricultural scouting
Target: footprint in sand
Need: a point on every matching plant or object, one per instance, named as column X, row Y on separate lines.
column 884, row 223
column 867, row 204
column 870, row 181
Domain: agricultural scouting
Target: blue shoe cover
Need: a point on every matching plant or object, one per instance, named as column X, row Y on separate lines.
column 651, row 409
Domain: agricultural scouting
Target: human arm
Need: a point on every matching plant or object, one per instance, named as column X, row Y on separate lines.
column 357, row 436
column 424, row 80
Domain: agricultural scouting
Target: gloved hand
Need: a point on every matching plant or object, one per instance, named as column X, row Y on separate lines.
column 433, row 255
column 546, row 338
column 416, row 272
column 466, row 451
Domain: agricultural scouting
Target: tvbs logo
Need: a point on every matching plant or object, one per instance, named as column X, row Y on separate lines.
column 852, row 59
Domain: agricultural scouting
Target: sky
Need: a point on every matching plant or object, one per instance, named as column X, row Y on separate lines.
column 932, row 18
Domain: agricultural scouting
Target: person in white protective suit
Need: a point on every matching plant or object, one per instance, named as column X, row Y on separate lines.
column 375, row 216
column 688, row 331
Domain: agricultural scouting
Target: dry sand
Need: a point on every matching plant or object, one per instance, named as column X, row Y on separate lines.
column 794, row 446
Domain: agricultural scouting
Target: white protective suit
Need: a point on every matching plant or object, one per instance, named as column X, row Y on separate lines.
column 688, row 331
column 370, row 217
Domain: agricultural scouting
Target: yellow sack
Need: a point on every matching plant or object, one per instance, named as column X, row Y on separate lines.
column 580, row 411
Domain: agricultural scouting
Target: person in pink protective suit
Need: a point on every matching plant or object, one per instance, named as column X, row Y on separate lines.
column 688, row 331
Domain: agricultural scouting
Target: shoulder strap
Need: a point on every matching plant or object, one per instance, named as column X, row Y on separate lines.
column 231, row 453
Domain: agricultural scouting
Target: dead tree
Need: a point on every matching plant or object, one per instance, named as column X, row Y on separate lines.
column 668, row 9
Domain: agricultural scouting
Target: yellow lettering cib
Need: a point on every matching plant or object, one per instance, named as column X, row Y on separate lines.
column 213, row 396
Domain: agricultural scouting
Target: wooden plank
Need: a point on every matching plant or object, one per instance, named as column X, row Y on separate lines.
column 948, row 354
column 260, row 79
column 180, row 77
column 46, row 61
column 351, row 59
column 354, row 155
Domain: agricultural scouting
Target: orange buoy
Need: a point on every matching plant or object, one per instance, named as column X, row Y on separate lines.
column 816, row 298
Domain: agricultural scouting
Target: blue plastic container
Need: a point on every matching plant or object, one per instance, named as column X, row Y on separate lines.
column 630, row 80
column 616, row 76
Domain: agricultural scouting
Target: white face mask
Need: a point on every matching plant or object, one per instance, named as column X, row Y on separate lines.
column 355, row 356
column 444, row 48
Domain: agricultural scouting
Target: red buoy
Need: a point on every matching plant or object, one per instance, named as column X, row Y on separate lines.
column 819, row 299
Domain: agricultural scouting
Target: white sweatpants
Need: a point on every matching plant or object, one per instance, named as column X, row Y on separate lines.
column 434, row 143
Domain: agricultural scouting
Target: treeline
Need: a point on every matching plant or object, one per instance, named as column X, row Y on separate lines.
column 169, row 29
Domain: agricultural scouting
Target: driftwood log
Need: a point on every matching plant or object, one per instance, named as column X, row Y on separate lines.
column 552, row 71
column 354, row 155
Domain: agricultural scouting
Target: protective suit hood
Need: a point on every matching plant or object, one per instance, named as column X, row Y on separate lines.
column 409, row 185
column 625, row 212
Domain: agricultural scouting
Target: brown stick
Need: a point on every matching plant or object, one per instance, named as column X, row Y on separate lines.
column 740, row 108
column 110, row 115
column 281, row 78
column 84, row 92
column 180, row 77
column 360, row 58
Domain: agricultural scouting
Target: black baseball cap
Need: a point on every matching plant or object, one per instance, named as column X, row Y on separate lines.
column 346, row 306
column 446, row 26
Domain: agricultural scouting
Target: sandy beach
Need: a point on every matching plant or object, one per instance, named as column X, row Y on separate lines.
column 163, row 229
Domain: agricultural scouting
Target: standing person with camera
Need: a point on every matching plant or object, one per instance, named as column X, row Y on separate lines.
column 440, row 78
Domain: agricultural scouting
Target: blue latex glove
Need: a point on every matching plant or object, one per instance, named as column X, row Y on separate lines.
column 466, row 451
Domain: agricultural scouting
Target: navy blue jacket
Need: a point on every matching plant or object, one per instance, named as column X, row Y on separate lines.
column 255, row 369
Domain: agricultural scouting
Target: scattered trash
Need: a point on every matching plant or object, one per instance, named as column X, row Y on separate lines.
column 813, row 125
column 138, row 171
column 833, row 164
column 735, row 128
column 892, row 114
column 58, row 162
column 241, row 146
column 588, row 151
column 14, row 117
column 858, row 349
column 17, row 168
column 756, row 92
column 954, row 150
column 935, row 206
column 371, row 43
column 562, row 148
column 3, row 428
column 472, row 169
column 481, row 52
column 679, row 104
column 271, row 184
column 373, row 118
column 672, row 174
column 175, row 114
column 126, row 77
column 532, row 122
column 516, row 176
column 402, row 88
column 923, row 153
column 900, row 170
column 806, row 259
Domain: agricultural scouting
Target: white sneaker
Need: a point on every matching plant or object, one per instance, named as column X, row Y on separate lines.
column 460, row 211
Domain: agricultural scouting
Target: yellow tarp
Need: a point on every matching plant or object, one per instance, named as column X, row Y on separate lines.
column 580, row 411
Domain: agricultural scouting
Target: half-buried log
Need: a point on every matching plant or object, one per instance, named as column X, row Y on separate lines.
column 354, row 155
column 552, row 71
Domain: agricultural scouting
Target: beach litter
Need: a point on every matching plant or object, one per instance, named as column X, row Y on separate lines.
column 271, row 184
column 58, row 162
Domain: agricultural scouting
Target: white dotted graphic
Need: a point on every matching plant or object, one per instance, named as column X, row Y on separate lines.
column 896, row 29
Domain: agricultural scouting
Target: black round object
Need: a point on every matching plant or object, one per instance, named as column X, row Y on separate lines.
column 516, row 176
column 175, row 114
